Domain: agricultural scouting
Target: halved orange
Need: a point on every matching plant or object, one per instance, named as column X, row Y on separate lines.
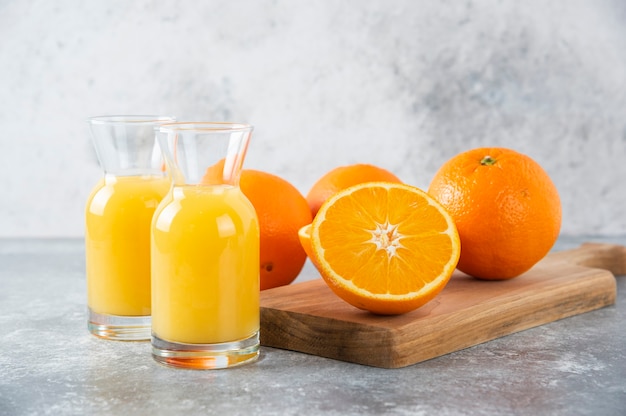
column 384, row 247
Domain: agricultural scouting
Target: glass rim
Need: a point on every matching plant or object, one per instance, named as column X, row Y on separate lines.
column 131, row 119
column 205, row 126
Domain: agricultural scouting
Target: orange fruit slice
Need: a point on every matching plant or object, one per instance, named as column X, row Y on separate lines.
column 384, row 247
column 304, row 235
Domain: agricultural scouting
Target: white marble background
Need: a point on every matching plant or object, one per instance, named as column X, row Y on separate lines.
column 401, row 84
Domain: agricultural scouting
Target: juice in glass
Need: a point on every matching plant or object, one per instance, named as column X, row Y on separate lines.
column 118, row 216
column 205, row 266
column 205, row 251
column 117, row 237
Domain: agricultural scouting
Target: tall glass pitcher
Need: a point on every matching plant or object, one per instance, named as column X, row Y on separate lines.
column 205, row 251
column 117, row 225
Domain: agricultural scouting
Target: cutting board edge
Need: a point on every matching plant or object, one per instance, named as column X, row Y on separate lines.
column 395, row 340
column 318, row 329
column 600, row 260
column 605, row 289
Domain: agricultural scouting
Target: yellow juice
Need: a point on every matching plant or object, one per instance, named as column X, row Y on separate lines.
column 117, row 242
column 205, row 266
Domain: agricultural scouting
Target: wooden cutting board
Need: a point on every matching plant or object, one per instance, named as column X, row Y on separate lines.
column 309, row 318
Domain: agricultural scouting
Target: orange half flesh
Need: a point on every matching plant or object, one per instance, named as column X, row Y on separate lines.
column 388, row 248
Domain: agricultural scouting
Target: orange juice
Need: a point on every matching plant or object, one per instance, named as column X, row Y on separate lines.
column 117, row 238
column 205, row 266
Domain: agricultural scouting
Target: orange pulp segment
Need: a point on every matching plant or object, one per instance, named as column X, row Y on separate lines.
column 385, row 247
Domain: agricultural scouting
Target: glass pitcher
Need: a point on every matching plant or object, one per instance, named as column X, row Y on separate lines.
column 117, row 225
column 205, row 251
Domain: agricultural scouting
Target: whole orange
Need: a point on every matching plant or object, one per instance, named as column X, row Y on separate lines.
column 343, row 177
column 505, row 206
column 282, row 211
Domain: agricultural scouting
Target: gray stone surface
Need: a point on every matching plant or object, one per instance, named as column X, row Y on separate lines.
column 51, row 365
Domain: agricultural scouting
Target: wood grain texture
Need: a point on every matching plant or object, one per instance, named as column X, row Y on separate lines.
column 309, row 318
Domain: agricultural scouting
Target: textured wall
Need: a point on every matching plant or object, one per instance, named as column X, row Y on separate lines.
column 401, row 84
